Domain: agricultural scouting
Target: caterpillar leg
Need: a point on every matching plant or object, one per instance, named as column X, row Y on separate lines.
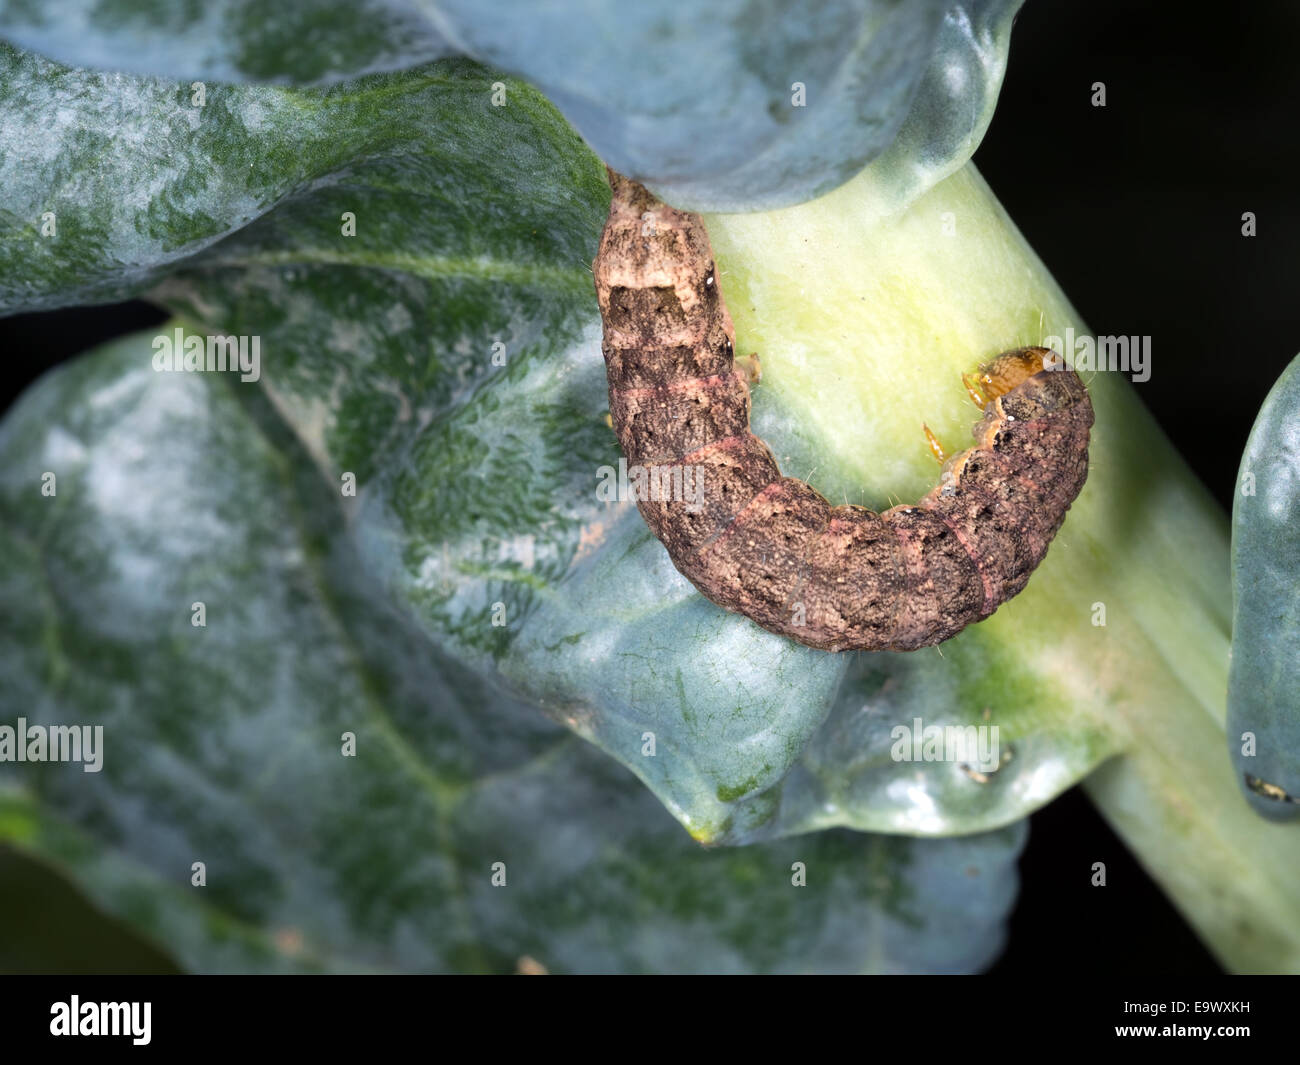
column 936, row 448
column 750, row 366
column 971, row 381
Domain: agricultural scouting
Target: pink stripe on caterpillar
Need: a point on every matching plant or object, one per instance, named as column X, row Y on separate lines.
column 747, row 511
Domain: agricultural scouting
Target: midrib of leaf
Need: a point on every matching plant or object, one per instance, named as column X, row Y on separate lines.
column 443, row 797
column 536, row 275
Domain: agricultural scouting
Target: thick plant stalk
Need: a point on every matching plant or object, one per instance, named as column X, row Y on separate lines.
column 865, row 313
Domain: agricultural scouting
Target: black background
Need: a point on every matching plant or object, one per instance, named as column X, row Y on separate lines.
column 1136, row 209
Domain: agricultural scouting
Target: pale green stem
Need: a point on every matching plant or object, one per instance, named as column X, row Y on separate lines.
column 864, row 315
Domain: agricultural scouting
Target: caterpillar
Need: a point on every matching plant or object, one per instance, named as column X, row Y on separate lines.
column 771, row 547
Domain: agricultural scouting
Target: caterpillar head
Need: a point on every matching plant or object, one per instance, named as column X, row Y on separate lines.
column 1007, row 371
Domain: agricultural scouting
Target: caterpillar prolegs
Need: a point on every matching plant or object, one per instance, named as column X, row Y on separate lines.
column 771, row 547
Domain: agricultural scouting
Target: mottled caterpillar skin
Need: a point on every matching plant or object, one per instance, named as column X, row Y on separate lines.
column 771, row 547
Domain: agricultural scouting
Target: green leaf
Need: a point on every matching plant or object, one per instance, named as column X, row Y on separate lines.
column 477, row 488
column 865, row 307
column 477, row 481
column 703, row 103
column 110, row 181
column 1264, row 679
column 222, row 743
column 226, row 40
column 737, row 105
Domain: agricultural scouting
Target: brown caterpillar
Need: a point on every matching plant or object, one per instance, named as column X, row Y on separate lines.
column 771, row 547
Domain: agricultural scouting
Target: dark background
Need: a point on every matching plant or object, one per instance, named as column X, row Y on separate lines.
column 1136, row 209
